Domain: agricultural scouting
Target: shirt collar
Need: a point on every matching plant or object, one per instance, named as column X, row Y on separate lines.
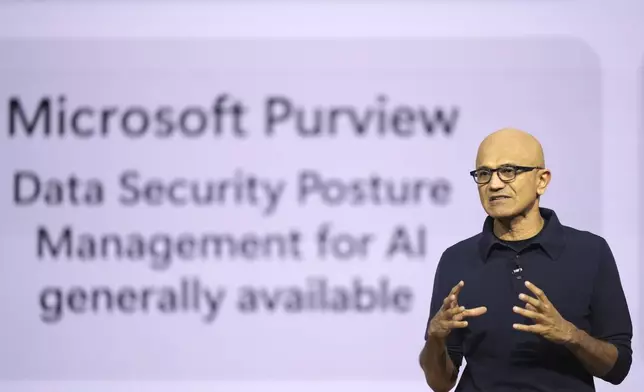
column 551, row 239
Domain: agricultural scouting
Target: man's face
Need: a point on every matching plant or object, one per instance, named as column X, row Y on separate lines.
column 509, row 198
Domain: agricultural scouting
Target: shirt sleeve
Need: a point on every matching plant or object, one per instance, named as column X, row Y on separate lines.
column 442, row 287
column 610, row 316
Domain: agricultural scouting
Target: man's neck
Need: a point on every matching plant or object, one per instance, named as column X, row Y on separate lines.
column 521, row 227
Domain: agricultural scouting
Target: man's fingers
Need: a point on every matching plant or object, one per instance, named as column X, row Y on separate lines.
column 538, row 329
column 456, row 324
column 452, row 299
column 537, row 291
column 462, row 312
column 535, row 303
column 474, row 312
column 528, row 313
column 457, row 289
column 449, row 302
column 530, row 307
column 455, row 311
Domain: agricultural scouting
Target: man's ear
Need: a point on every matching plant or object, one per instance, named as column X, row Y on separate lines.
column 543, row 180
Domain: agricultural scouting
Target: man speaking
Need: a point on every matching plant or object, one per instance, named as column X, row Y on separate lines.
column 529, row 303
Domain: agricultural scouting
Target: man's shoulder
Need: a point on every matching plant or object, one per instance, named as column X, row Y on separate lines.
column 576, row 236
column 584, row 248
column 579, row 237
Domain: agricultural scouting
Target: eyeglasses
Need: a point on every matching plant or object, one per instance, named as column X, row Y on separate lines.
column 506, row 173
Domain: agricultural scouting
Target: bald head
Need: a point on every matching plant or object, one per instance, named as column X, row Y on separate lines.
column 516, row 188
column 510, row 145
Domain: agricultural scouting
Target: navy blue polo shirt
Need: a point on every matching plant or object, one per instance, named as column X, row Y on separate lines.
column 577, row 272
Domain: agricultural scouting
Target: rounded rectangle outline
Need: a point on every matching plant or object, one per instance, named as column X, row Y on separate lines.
column 464, row 64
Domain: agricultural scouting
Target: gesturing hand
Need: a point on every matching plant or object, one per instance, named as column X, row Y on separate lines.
column 548, row 322
column 451, row 315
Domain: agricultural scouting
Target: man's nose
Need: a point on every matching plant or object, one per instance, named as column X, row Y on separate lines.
column 495, row 182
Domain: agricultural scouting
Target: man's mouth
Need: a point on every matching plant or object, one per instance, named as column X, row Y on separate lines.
column 500, row 197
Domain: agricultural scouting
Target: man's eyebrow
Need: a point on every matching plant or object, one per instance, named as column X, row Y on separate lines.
column 501, row 165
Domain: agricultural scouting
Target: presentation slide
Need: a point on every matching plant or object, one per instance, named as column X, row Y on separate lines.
column 259, row 195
